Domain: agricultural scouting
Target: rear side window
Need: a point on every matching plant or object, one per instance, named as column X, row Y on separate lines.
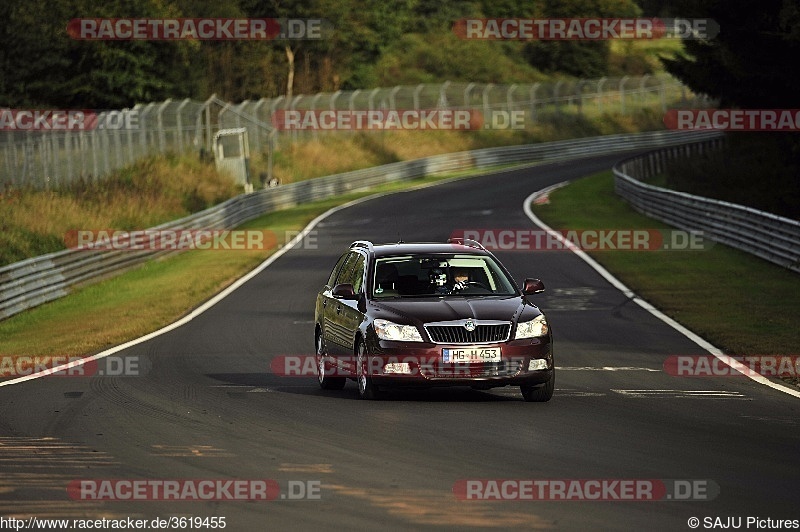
column 358, row 274
column 352, row 272
column 336, row 269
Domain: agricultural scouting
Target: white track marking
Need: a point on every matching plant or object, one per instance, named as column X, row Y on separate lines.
column 605, row 368
column 680, row 394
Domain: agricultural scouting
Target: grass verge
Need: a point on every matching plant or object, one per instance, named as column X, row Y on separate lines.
column 738, row 302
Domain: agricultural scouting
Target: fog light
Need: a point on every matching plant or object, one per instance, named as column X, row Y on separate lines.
column 537, row 364
column 397, row 367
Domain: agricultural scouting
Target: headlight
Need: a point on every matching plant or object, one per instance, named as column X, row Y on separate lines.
column 532, row 329
column 387, row 330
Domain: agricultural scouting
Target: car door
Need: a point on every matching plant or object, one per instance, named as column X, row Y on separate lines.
column 336, row 337
column 349, row 314
column 324, row 304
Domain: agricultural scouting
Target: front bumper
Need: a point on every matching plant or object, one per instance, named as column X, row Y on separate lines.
column 421, row 364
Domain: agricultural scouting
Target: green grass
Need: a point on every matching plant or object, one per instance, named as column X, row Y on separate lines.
column 740, row 303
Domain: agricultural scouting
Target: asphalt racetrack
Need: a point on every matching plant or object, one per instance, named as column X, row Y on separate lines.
column 209, row 406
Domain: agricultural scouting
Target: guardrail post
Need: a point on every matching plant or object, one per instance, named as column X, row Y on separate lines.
column 207, row 109
column 333, row 100
column 56, row 173
column 443, row 103
column 105, row 148
column 642, row 90
column 272, row 109
column 272, row 136
column 68, row 155
column 314, row 101
column 351, row 101
column 579, row 95
column 179, row 123
column 130, row 135
column 293, row 107
column 95, row 170
column 372, row 95
column 162, row 140
column 220, row 124
column 239, row 111
column 118, row 149
column 257, row 108
column 467, row 91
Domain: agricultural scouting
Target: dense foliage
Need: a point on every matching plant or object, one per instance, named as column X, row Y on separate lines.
column 374, row 43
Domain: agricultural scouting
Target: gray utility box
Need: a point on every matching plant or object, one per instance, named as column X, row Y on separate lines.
column 232, row 155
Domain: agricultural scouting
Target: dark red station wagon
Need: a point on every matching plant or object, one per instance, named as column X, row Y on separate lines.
column 430, row 314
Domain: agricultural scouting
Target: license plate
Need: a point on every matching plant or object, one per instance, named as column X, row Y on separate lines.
column 467, row 355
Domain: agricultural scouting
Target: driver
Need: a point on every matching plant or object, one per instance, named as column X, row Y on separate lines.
column 460, row 278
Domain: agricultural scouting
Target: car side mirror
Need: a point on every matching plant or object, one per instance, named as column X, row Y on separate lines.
column 532, row 286
column 344, row 291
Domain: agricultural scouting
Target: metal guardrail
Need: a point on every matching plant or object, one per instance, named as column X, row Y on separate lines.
column 34, row 281
column 773, row 238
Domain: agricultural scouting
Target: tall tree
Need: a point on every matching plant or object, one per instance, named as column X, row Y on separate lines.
column 752, row 62
column 588, row 59
column 43, row 65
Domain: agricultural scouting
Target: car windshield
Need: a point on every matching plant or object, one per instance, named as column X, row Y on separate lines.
column 439, row 275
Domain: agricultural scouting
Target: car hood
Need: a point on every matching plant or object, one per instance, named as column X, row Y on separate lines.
column 419, row 311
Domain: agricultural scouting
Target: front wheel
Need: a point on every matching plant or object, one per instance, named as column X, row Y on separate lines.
column 367, row 389
column 326, row 382
column 542, row 394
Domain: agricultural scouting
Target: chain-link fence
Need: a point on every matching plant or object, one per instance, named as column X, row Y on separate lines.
column 49, row 159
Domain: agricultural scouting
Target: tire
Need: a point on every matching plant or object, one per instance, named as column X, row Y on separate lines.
column 326, row 382
column 367, row 389
column 542, row 394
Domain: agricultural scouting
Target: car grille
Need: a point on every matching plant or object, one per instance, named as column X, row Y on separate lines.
column 457, row 334
column 506, row 368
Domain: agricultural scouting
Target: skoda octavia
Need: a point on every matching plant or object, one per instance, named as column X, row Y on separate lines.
column 430, row 314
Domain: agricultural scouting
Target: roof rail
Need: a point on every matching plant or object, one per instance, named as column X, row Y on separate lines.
column 466, row 242
column 362, row 244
